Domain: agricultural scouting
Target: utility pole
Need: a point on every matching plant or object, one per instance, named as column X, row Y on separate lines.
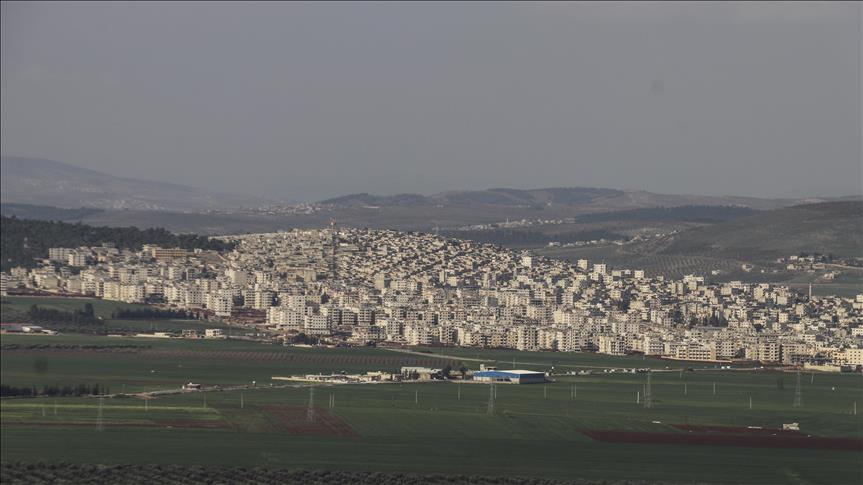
column 714, row 388
column 459, row 391
column 685, row 392
column 490, row 410
column 798, row 393
column 99, row 424
column 545, row 392
column 242, row 401
column 310, row 412
column 750, row 402
column 416, row 397
column 146, row 402
column 648, row 394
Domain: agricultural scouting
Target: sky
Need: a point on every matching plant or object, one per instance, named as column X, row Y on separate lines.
column 304, row 101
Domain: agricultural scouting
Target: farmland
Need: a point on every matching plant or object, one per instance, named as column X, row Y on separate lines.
column 441, row 427
column 14, row 309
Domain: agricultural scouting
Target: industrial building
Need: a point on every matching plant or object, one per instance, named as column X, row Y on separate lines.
column 509, row 376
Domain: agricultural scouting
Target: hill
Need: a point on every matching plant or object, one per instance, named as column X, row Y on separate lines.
column 587, row 199
column 22, row 242
column 47, row 213
column 829, row 227
column 47, row 182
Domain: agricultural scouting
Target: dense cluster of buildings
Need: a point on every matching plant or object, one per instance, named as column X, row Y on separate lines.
column 366, row 286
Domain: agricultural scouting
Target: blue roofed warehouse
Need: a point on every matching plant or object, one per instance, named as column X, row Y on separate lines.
column 509, row 376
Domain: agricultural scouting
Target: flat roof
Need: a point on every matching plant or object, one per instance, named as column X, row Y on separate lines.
column 514, row 371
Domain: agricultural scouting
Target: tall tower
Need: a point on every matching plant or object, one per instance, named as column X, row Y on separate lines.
column 334, row 244
column 798, row 393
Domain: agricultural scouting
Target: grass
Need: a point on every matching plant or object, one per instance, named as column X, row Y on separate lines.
column 14, row 308
column 535, row 430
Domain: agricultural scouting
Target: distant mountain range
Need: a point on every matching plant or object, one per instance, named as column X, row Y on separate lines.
column 50, row 183
column 585, row 198
column 46, row 182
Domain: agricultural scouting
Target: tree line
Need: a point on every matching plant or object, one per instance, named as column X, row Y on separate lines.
column 23, row 241
column 86, row 316
column 54, row 391
column 24, row 472
column 151, row 314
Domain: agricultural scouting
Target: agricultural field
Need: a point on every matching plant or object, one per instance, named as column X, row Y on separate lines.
column 589, row 426
column 14, row 309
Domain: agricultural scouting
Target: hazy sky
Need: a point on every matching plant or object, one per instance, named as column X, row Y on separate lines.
column 307, row 101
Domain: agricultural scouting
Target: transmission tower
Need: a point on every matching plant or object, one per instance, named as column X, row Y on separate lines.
column 648, row 395
column 310, row 412
column 490, row 410
column 798, row 393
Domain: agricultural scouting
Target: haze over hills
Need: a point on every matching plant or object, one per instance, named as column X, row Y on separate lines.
column 47, row 182
column 588, row 199
column 52, row 183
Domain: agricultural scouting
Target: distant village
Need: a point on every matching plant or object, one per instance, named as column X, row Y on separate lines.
column 381, row 287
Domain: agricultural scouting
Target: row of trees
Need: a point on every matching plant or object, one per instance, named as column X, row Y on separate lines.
column 19, row 472
column 302, row 338
column 24, row 241
column 54, row 391
column 150, row 314
column 86, row 316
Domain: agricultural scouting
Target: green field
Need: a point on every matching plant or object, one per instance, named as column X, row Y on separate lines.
column 14, row 309
column 440, row 427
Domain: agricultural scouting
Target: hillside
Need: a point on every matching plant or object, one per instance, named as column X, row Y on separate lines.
column 22, row 242
column 830, row 227
column 47, row 213
column 586, row 199
column 47, row 182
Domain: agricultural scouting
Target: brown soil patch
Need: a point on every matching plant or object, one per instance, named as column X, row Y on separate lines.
column 294, row 420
